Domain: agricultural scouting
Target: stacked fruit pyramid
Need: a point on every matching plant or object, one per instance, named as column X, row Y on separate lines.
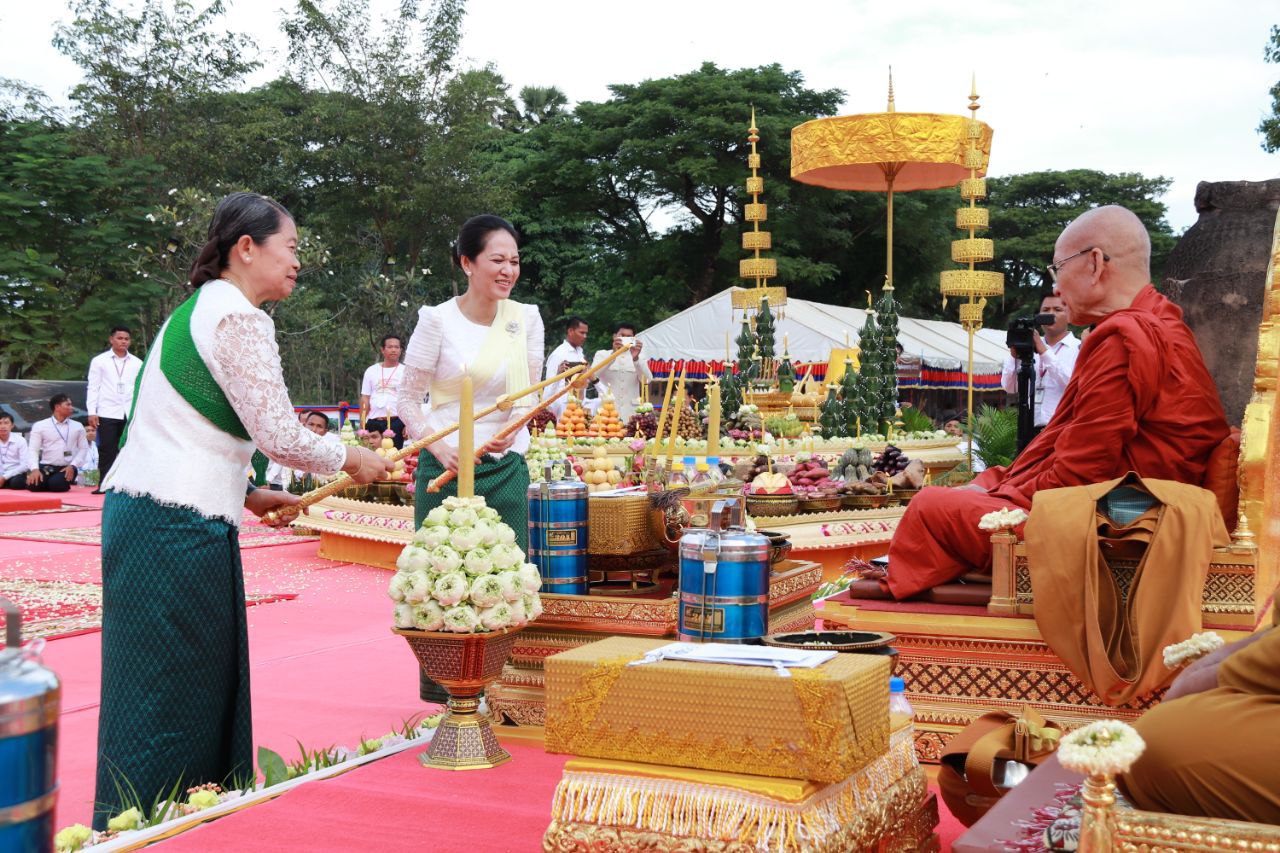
column 607, row 423
column 573, row 423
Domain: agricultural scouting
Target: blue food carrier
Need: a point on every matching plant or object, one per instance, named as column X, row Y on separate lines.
column 558, row 535
column 724, row 581
column 30, row 698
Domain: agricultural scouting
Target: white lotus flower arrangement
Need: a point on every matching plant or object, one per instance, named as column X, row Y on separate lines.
column 463, row 573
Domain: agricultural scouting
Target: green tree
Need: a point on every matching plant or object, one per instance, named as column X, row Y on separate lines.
column 541, row 104
column 1029, row 211
column 67, row 222
column 144, row 75
column 1270, row 126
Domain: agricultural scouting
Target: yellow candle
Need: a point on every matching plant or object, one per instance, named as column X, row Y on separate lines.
column 666, row 407
column 726, row 347
column 784, row 343
column 466, row 439
column 713, row 420
column 675, row 419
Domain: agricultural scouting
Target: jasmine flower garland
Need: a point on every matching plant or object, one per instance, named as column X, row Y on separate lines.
column 1104, row 747
column 1193, row 648
column 1002, row 519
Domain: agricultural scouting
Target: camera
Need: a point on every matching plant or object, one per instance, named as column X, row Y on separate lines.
column 1019, row 335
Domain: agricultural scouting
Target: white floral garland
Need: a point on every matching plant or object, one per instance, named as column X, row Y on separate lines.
column 1104, row 747
column 1193, row 648
column 1002, row 519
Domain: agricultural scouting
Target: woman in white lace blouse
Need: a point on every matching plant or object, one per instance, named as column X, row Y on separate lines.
column 175, row 661
column 499, row 342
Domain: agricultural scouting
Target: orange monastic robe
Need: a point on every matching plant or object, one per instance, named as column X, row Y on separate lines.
column 1140, row 400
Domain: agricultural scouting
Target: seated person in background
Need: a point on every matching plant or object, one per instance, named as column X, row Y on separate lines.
column 13, row 455
column 953, row 425
column 1212, row 749
column 317, row 422
column 87, row 462
column 1140, row 400
column 53, row 447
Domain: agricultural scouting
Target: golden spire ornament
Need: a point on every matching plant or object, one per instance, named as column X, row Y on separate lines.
column 973, row 285
column 757, row 268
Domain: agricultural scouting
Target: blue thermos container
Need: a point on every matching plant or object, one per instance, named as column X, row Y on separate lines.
column 724, row 581
column 558, row 535
column 30, row 698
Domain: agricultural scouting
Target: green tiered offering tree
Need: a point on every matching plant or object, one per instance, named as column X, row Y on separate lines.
column 786, row 375
column 871, row 369
column 888, row 319
column 831, row 415
column 764, row 330
column 730, row 394
column 853, row 405
column 746, row 342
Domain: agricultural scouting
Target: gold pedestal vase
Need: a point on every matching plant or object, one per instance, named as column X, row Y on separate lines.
column 463, row 664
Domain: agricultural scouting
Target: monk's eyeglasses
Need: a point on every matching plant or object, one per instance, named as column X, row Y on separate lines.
column 1053, row 268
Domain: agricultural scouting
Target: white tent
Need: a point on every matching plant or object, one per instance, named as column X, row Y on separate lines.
column 812, row 329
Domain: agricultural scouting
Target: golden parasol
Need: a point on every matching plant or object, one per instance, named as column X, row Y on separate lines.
column 888, row 152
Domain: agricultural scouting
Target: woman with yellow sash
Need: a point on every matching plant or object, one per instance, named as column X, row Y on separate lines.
column 175, row 648
column 498, row 342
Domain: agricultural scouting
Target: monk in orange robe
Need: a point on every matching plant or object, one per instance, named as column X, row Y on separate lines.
column 1140, row 400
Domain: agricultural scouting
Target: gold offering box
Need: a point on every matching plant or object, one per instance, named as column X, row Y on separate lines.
column 822, row 724
column 569, row 621
column 609, row 806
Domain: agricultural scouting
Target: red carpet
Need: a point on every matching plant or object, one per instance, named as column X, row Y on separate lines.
column 396, row 804
column 19, row 501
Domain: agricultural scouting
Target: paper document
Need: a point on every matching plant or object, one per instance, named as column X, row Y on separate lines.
column 779, row 659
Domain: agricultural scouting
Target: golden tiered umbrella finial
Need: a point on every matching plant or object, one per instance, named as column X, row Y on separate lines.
column 973, row 285
column 757, row 268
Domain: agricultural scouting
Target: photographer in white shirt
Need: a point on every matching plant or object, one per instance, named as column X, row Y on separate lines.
column 112, row 377
column 1055, row 359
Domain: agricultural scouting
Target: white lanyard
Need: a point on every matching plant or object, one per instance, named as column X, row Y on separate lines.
column 120, row 371
column 66, row 439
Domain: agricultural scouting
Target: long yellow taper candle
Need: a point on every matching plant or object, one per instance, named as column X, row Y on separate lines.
column 675, row 419
column 466, row 439
column 666, row 407
column 713, row 418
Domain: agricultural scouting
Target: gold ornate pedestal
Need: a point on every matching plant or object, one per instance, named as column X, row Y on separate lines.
column 569, row 621
column 463, row 664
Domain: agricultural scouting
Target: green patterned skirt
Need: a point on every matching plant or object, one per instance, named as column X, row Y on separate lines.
column 175, row 654
column 503, row 482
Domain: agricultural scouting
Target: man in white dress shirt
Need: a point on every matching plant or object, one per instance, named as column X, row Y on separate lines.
column 379, row 389
column 53, row 447
column 112, row 376
column 626, row 376
column 1055, row 359
column 569, row 352
column 13, row 455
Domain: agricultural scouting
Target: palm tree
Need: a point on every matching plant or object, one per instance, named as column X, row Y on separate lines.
column 542, row 103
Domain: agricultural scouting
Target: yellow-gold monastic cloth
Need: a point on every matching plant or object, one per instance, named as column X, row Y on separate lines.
column 822, row 724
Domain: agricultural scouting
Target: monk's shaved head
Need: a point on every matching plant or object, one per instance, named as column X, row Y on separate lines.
column 1095, row 286
column 1117, row 231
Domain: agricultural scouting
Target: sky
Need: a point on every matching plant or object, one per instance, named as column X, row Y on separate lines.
column 1173, row 88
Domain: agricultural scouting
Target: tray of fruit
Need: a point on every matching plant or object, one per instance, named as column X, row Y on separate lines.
column 811, row 481
column 770, row 493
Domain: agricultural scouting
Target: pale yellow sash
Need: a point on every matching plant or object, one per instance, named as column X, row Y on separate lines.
column 504, row 348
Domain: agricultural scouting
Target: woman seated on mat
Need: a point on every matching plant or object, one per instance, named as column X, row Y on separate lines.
column 175, row 657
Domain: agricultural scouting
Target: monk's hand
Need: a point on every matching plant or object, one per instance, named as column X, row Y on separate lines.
column 261, row 501
column 365, row 466
column 1193, row 680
